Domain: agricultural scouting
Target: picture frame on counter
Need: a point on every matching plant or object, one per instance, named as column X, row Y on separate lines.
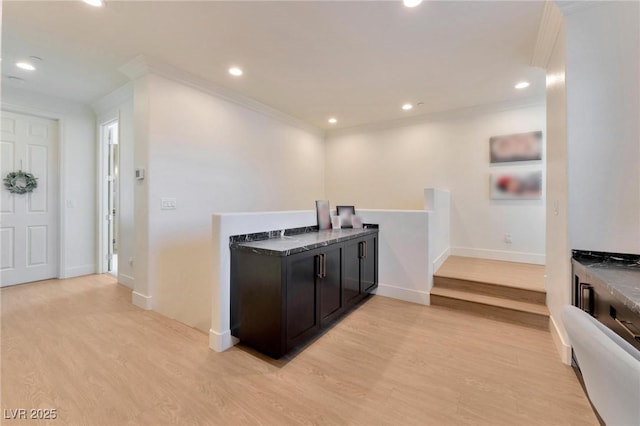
column 346, row 214
column 323, row 214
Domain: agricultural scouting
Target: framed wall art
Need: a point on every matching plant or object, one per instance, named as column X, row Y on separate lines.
column 517, row 147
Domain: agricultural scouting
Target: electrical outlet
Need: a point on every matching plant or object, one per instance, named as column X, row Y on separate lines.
column 508, row 238
column 168, row 204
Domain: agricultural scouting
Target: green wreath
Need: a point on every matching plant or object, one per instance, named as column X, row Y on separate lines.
column 20, row 182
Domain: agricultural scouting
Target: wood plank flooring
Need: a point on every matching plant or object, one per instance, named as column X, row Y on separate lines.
column 79, row 346
column 511, row 274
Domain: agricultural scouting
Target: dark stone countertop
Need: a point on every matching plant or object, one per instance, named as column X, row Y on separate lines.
column 292, row 244
column 619, row 273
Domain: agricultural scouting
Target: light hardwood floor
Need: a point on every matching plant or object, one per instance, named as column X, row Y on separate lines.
column 512, row 274
column 79, row 346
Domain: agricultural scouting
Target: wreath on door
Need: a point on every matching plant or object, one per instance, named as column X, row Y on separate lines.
column 20, row 182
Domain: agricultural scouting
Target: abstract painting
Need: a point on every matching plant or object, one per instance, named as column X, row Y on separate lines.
column 516, row 185
column 518, row 147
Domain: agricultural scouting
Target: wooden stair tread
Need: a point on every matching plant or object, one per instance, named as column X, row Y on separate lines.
column 508, row 274
column 499, row 302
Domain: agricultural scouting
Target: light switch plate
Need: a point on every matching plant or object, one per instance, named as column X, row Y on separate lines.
column 168, row 204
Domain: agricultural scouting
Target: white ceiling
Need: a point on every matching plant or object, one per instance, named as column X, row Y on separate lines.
column 357, row 61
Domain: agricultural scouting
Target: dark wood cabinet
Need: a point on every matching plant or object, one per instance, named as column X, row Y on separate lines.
column 351, row 271
column 369, row 263
column 280, row 302
column 361, row 267
column 330, row 283
column 302, row 313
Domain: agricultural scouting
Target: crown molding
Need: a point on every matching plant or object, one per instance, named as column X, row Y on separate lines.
column 533, row 101
column 113, row 99
column 548, row 30
column 570, row 7
column 141, row 65
column 135, row 68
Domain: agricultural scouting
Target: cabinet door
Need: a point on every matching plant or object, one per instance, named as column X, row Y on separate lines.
column 351, row 278
column 369, row 264
column 302, row 280
column 331, row 283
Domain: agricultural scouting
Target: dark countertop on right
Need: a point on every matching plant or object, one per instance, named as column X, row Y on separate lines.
column 620, row 273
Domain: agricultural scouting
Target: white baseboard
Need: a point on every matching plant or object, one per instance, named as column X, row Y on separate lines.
column 220, row 342
column 78, row 271
column 141, row 300
column 440, row 260
column 563, row 348
column 508, row 256
column 126, row 280
column 406, row 294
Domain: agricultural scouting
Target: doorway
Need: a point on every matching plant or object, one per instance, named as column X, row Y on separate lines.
column 29, row 226
column 110, row 195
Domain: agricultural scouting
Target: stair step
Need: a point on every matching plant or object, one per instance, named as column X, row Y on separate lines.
column 509, row 274
column 489, row 289
column 525, row 313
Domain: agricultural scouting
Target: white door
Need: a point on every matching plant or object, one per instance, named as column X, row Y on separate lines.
column 29, row 222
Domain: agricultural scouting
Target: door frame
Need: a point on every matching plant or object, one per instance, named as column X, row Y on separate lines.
column 62, row 214
column 103, row 120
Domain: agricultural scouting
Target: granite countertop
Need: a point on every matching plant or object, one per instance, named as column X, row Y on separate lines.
column 292, row 244
column 622, row 278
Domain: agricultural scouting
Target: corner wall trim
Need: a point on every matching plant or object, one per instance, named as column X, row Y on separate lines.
column 78, row 271
column 141, row 300
column 534, row 101
column 126, row 280
column 142, row 65
column 507, row 256
column 220, row 342
column 406, row 294
column 564, row 350
column 441, row 259
column 550, row 25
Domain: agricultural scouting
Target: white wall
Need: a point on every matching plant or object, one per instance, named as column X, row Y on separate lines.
column 78, row 173
column 558, row 251
column 210, row 155
column 388, row 168
column 119, row 105
column 438, row 203
column 603, row 92
column 405, row 271
column 126, row 231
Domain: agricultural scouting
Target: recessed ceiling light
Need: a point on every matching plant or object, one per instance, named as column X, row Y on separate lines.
column 522, row 85
column 94, row 3
column 235, row 71
column 28, row 66
column 332, row 120
column 407, row 107
column 411, row 3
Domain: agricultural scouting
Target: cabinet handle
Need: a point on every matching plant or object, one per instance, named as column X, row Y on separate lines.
column 625, row 325
column 319, row 266
column 324, row 265
column 366, row 249
column 587, row 304
column 360, row 250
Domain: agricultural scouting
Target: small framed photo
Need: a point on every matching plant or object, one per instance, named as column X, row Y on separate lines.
column 346, row 213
